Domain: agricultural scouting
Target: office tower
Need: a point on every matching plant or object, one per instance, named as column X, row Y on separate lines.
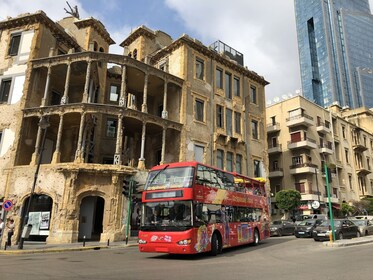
column 335, row 41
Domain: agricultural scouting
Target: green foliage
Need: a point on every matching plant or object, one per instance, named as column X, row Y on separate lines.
column 369, row 205
column 347, row 209
column 288, row 199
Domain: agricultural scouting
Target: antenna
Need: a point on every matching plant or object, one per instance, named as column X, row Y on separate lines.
column 73, row 11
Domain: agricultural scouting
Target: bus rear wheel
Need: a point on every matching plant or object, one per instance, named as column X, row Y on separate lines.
column 256, row 237
column 215, row 245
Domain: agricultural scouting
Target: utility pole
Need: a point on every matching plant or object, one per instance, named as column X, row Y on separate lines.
column 329, row 201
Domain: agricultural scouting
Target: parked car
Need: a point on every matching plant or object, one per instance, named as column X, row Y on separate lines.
column 280, row 228
column 306, row 227
column 343, row 229
column 365, row 226
column 301, row 218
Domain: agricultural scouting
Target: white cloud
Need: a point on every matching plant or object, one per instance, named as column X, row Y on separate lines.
column 264, row 31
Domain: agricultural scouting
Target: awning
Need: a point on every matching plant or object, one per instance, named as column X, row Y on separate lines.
column 336, row 206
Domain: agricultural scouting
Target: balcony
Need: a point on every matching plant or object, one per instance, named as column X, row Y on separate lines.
column 274, row 149
column 303, row 168
column 322, row 128
column 362, row 171
column 304, row 142
column 326, row 148
column 271, row 128
column 276, row 172
column 302, row 119
column 358, row 147
column 333, row 198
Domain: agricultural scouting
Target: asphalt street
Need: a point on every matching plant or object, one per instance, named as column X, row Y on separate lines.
column 275, row 258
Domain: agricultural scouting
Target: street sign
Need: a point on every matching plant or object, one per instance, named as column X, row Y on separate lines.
column 7, row 205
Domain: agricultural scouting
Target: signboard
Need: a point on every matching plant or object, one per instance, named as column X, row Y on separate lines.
column 315, row 204
column 7, row 205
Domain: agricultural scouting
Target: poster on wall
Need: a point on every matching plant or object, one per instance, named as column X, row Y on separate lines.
column 45, row 218
column 34, row 220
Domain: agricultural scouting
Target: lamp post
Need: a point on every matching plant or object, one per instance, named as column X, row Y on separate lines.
column 43, row 125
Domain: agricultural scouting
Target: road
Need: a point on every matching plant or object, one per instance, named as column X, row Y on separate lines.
column 276, row 258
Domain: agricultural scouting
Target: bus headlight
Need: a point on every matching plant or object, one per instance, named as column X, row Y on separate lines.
column 184, row 242
column 142, row 241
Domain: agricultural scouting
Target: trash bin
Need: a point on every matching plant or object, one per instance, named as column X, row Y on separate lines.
column 26, row 231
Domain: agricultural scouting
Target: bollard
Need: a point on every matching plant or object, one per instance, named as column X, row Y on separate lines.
column 84, row 241
column 108, row 242
column 331, row 236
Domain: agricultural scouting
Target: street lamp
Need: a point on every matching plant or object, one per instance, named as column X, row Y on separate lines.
column 43, row 125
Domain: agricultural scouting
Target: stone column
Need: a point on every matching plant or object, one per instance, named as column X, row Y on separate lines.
column 123, row 88
column 57, row 152
column 144, row 106
column 65, row 97
column 34, row 158
column 141, row 164
column 79, row 151
column 46, row 90
column 86, row 86
column 163, row 145
column 165, row 112
column 119, row 143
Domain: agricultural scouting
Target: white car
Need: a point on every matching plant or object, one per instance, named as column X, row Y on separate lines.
column 365, row 226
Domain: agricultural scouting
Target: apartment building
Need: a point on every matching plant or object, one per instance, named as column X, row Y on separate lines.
column 303, row 138
column 93, row 119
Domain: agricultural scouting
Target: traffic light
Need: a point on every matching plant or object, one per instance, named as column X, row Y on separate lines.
column 126, row 187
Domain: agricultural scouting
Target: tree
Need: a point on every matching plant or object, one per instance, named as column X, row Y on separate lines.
column 288, row 200
column 347, row 209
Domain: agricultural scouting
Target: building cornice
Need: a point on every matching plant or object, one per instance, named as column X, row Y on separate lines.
column 96, row 25
column 140, row 31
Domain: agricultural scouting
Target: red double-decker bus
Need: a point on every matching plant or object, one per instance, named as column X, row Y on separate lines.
column 189, row 208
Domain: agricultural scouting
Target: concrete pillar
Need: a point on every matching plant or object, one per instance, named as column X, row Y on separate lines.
column 57, row 152
column 86, row 86
column 141, row 164
column 34, row 158
column 79, row 151
column 163, row 145
column 165, row 112
column 123, row 88
column 46, row 90
column 119, row 142
column 144, row 107
column 65, row 97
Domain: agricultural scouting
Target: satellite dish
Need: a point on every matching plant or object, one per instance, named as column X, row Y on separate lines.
column 284, row 96
column 276, row 99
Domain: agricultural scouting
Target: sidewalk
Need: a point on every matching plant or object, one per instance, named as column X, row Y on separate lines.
column 349, row 242
column 32, row 247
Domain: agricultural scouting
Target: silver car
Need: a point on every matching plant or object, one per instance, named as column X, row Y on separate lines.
column 365, row 226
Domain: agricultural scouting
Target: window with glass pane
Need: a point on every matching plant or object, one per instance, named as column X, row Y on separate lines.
column 200, row 69
column 254, row 129
column 228, row 113
column 253, row 97
column 114, row 93
column 198, row 153
column 5, row 90
column 257, row 172
column 220, row 159
column 237, row 122
column 219, row 78
column 111, row 128
column 229, row 161
column 228, row 85
column 239, row 163
column 200, row 110
column 236, row 86
column 15, row 40
column 219, row 116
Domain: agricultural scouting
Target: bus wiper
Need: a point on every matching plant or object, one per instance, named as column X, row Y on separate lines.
column 159, row 172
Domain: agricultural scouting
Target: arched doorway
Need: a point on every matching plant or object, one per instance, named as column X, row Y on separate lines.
column 39, row 216
column 91, row 217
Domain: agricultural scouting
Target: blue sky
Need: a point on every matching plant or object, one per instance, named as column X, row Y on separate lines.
column 263, row 30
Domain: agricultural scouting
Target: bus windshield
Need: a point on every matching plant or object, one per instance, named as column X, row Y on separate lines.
column 167, row 215
column 178, row 177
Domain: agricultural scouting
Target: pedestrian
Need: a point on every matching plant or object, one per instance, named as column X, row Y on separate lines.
column 10, row 227
column 1, row 226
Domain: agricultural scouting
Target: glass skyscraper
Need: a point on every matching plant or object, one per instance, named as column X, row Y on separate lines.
column 335, row 41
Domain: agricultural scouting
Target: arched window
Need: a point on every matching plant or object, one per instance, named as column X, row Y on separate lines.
column 135, row 53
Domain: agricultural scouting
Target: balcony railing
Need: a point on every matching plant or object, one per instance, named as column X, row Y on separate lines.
column 273, row 127
column 301, row 119
column 303, row 142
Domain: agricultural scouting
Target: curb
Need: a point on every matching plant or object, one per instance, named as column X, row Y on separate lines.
column 347, row 243
column 56, row 250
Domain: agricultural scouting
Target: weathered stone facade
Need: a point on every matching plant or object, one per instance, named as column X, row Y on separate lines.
column 112, row 117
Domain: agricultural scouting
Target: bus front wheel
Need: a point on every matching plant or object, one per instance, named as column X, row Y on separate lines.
column 256, row 237
column 215, row 244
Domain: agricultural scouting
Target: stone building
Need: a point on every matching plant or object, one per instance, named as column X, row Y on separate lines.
column 303, row 136
column 94, row 119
